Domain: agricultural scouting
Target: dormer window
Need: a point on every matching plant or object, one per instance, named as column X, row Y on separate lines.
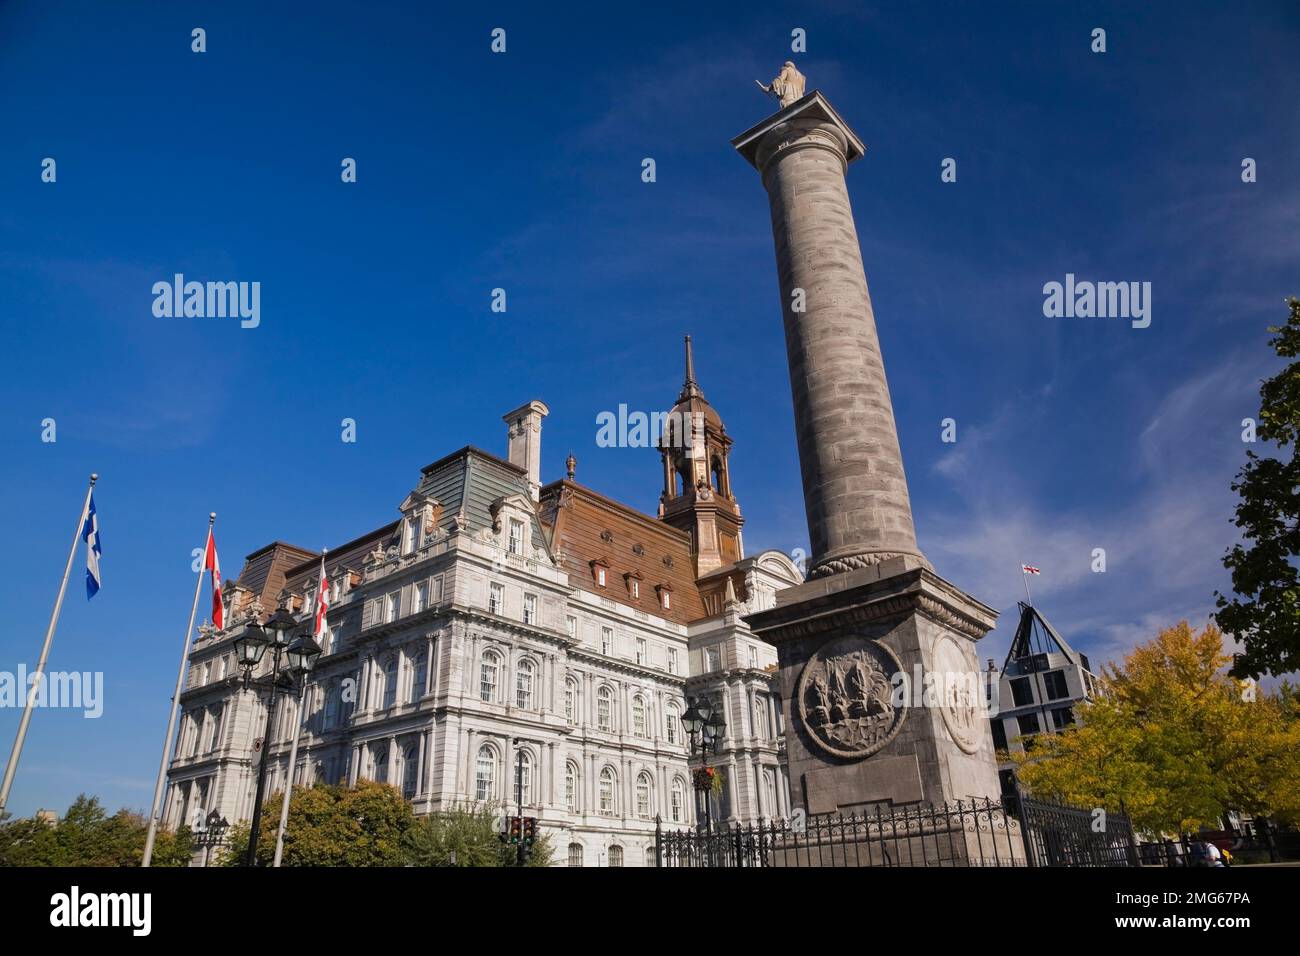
column 600, row 576
column 515, row 543
column 410, row 534
column 636, row 588
column 599, row 569
column 633, row 581
column 665, row 596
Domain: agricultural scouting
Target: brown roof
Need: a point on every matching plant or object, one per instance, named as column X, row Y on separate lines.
column 349, row 555
column 588, row 527
column 264, row 570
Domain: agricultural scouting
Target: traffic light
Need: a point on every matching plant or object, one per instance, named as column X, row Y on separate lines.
column 529, row 833
column 516, row 830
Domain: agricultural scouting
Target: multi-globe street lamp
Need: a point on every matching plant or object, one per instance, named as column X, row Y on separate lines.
column 705, row 728
column 291, row 661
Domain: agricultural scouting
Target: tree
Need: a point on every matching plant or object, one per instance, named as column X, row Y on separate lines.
column 88, row 836
column 1175, row 740
column 330, row 826
column 467, row 835
column 1265, row 614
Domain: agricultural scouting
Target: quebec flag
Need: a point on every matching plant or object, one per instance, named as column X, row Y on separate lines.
column 90, row 534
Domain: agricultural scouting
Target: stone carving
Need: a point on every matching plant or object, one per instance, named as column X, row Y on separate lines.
column 788, row 85
column 845, row 697
column 957, row 685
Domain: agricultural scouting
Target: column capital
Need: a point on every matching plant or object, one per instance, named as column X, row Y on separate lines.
column 810, row 121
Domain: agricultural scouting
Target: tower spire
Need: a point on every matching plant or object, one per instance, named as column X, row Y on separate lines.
column 690, row 388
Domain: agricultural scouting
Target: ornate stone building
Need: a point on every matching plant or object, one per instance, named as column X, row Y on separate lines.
column 499, row 619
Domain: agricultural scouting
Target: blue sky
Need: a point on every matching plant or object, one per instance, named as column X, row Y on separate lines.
column 522, row 171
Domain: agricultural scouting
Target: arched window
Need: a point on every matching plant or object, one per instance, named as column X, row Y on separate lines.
column 638, row 716
column 216, row 728
column 769, row 794
column 390, row 681
column 488, row 675
column 575, row 854
column 379, row 765
column 615, row 855
column 376, row 686
column 673, row 718
column 643, row 803
column 604, row 708
column 410, row 765
column 332, row 696
column 677, row 804
column 521, row 782
column 571, row 701
column 571, row 778
column 760, row 718
column 485, row 773
column 524, row 684
column 608, row 784
column 419, row 676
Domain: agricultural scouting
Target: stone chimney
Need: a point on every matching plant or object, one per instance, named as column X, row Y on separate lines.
column 524, row 442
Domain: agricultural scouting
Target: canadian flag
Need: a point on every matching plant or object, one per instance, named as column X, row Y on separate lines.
column 210, row 563
column 322, row 601
column 1029, row 569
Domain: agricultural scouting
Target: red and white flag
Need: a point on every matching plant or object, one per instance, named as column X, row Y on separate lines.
column 322, row 601
column 1029, row 569
column 210, row 563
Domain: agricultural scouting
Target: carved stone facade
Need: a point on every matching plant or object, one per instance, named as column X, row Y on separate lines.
column 472, row 634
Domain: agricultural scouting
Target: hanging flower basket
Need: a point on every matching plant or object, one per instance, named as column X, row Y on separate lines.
column 707, row 778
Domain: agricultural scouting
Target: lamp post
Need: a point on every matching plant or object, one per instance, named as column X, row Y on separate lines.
column 704, row 724
column 250, row 648
column 213, row 834
column 302, row 654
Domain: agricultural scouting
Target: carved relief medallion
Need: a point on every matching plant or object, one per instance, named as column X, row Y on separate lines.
column 845, row 697
column 957, row 686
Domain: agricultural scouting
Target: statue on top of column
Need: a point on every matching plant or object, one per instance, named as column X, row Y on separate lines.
column 788, row 85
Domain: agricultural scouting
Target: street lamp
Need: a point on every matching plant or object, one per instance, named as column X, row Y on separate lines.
column 250, row 648
column 703, row 723
column 211, row 834
column 302, row 655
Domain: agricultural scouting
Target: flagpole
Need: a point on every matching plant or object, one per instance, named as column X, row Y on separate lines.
column 11, row 767
column 1025, row 576
column 176, row 697
column 297, row 732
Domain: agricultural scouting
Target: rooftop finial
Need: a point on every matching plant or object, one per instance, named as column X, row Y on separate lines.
column 570, row 465
column 690, row 388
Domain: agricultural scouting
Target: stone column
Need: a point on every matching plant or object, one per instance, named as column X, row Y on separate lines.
column 855, row 493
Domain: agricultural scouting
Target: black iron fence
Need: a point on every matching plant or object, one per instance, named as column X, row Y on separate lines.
column 1057, row 835
column 967, row 833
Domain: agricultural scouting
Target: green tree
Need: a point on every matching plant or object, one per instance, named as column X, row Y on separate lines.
column 469, row 835
column 1264, row 616
column 88, row 836
column 1175, row 739
column 330, row 826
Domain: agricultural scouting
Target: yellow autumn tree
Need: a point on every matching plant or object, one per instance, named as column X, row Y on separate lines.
column 1174, row 740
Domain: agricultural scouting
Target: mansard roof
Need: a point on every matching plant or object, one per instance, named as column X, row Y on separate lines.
column 469, row 482
column 265, row 570
column 585, row 526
